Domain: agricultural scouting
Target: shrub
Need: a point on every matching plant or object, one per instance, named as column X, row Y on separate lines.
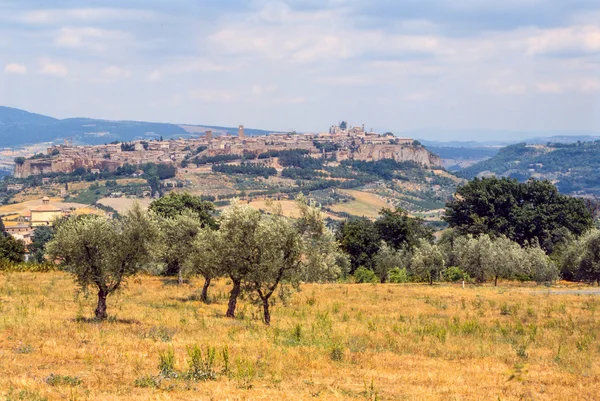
column 397, row 275
column 60, row 380
column 166, row 363
column 364, row 275
column 454, row 274
column 147, row 381
column 201, row 365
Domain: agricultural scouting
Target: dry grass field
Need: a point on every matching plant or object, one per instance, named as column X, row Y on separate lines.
column 122, row 205
column 331, row 342
column 364, row 204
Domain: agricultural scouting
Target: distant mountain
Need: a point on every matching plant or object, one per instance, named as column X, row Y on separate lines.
column 19, row 127
column 574, row 167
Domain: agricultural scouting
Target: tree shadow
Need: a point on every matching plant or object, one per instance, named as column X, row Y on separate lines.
column 109, row 320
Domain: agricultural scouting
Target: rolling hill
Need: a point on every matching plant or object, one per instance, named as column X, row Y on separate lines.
column 19, row 127
column 573, row 167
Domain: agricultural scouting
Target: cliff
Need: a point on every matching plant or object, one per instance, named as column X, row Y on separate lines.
column 400, row 153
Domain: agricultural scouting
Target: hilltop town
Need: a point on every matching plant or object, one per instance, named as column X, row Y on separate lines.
column 339, row 143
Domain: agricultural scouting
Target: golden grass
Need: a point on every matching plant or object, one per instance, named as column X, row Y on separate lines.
column 122, row 205
column 364, row 204
column 331, row 342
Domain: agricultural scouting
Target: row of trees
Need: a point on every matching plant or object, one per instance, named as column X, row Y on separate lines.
column 256, row 251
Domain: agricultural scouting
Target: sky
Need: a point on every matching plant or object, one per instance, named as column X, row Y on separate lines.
column 460, row 69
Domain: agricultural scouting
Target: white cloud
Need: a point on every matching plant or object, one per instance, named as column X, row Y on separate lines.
column 54, row 69
column 419, row 96
column 211, row 95
column 259, row 90
column 83, row 14
column 114, row 72
column 572, row 41
column 153, row 76
column 89, row 38
column 345, row 80
column 14, row 68
column 590, row 85
column 508, row 89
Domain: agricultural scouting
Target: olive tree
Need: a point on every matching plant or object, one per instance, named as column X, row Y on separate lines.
column 387, row 259
column 238, row 246
column 427, row 259
column 486, row 258
column 177, row 235
column 103, row 253
column 322, row 258
column 538, row 266
column 582, row 258
column 279, row 260
column 204, row 258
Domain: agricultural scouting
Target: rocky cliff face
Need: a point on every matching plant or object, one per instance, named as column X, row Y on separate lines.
column 400, row 153
column 36, row 167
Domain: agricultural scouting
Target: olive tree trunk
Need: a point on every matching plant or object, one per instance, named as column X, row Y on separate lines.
column 233, row 296
column 204, row 295
column 267, row 313
column 100, row 311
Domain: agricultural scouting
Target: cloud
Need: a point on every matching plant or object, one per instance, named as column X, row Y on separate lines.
column 114, row 72
column 346, row 80
column 508, row 89
column 153, row 76
column 91, row 38
column 211, row 95
column 14, row 68
column 54, row 69
column 419, row 96
column 572, row 41
column 260, row 90
column 39, row 17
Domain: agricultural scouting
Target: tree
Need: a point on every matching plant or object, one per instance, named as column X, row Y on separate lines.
column 175, row 204
column 523, row 212
column 360, row 239
column 427, row 259
column 103, row 253
column 322, row 260
column 239, row 247
column 2, row 228
column 41, row 236
column 11, row 249
column 582, row 258
column 387, row 259
column 177, row 235
column 169, row 208
column 485, row 258
column 280, row 251
column 204, row 258
column 539, row 267
column 399, row 230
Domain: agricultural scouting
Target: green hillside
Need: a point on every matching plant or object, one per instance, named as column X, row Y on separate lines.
column 574, row 167
column 19, row 127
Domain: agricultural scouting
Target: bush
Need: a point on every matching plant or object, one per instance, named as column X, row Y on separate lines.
column 397, row 275
column 454, row 274
column 364, row 275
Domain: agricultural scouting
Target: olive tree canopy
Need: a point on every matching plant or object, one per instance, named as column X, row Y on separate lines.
column 102, row 253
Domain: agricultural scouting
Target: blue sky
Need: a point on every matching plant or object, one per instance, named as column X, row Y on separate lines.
column 400, row 65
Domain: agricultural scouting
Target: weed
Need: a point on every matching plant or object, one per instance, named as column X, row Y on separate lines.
column 24, row 349
column 24, row 395
column 297, row 333
column 245, row 373
column 147, row 381
column 60, row 380
column 371, row 393
column 336, row 352
column 201, row 365
column 160, row 333
column 166, row 364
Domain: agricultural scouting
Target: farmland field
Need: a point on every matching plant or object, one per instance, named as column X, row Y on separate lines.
column 122, row 205
column 364, row 204
column 326, row 342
